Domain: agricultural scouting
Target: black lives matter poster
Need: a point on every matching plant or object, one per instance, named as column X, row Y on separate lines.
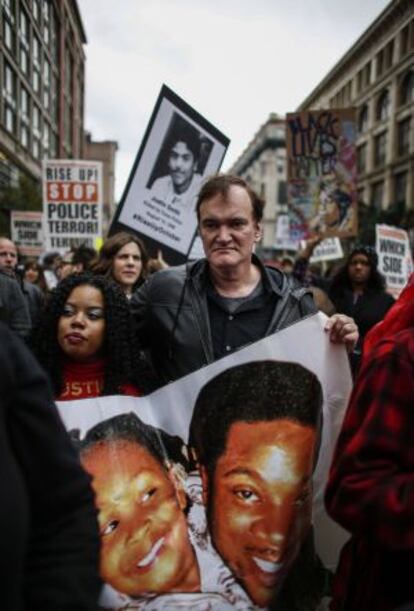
column 72, row 203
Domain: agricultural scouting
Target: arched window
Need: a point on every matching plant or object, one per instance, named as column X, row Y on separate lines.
column 363, row 119
column 383, row 106
column 407, row 88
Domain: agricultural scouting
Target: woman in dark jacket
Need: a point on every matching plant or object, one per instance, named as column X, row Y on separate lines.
column 358, row 290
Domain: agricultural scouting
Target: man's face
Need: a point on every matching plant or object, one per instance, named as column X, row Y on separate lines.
column 66, row 267
column 144, row 540
column 8, row 254
column 259, row 502
column 228, row 229
column 181, row 164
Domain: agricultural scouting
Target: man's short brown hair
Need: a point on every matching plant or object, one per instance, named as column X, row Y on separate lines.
column 220, row 185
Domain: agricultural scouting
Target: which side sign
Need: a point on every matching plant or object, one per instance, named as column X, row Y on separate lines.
column 27, row 232
column 394, row 257
column 72, row 203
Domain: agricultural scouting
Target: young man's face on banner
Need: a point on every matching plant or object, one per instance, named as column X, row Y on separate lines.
column 181, row 165
column 144, row 540
column 259, row 501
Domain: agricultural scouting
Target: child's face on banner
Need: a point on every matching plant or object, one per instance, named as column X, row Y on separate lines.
column 259, row 504
column 145, row 544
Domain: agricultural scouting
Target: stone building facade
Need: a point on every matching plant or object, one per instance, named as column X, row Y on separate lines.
column 376, row 76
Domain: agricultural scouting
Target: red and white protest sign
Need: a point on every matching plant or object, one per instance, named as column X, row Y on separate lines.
column 72, row 203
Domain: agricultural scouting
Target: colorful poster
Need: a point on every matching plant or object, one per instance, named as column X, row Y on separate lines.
column 208, row 488
column 179, row 150
column 322, row 173
column 27, row 232
column 72, row 203
column 394, row 257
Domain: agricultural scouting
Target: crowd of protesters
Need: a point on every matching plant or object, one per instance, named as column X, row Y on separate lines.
column 119, row 322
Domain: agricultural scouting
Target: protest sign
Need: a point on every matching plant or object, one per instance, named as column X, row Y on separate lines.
column 283, row 240
column 27, row 232
column 329, row 249
column 180, row 148
column 72, row 203
column 321, row 154
column 204, row 486
column 394, row 257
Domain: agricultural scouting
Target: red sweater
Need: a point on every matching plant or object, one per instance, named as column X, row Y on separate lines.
column 86, row 380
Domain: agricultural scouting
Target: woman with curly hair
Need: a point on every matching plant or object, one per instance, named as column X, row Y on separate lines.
column 83, row 341
column 123, row 258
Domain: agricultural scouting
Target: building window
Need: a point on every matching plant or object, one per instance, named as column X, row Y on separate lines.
column 46, row 9
column 24, row 29
column 366, row 75
column 9, row 85
column 24, row 60
column 54, row 38
column 407, row 88
column 377, row 194
column 9, row 6
column 383, row 106
column 362, row 158
column 46, row 33
column 363, row 119
column 36, row 81
column 36, row 148
column 389, row 55
column 24, row 105
column 46, row 139
column 380, row 149
column 403, row 135
column 8, row 35
column 380, row 62
column 36, row 9
column 53, row 98
column 10, row 118
column 405, row 40
column 400, row 189
column 36, row 121
column 36, row 52
column 24, row 136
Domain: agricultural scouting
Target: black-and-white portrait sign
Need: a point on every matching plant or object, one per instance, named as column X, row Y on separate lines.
column 179, row 150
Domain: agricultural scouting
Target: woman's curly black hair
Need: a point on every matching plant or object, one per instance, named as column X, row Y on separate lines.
column 124, row 362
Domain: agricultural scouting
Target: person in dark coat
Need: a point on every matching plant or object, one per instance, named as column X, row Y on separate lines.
column 50, row 542
column 14, row 311
column 358, row 290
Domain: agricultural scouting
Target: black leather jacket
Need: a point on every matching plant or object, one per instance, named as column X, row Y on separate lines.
column 171, row 315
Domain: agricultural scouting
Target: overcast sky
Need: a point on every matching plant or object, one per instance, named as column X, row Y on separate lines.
column 234, row 61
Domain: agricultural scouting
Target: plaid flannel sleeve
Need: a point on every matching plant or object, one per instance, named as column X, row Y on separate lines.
column 371, row 486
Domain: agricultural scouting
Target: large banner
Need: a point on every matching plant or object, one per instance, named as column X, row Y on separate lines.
column 27, row 232
column 207, row 488
column 72, row 203
column 322, row 173
column 394, row 257
column 180, row 149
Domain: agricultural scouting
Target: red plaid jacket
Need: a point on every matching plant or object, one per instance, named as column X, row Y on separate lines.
column 371, row 486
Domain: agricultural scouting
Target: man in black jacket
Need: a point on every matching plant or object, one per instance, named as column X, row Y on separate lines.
column 14, row 311
column 31, row 292
column 191, row 315
column 50, row 540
